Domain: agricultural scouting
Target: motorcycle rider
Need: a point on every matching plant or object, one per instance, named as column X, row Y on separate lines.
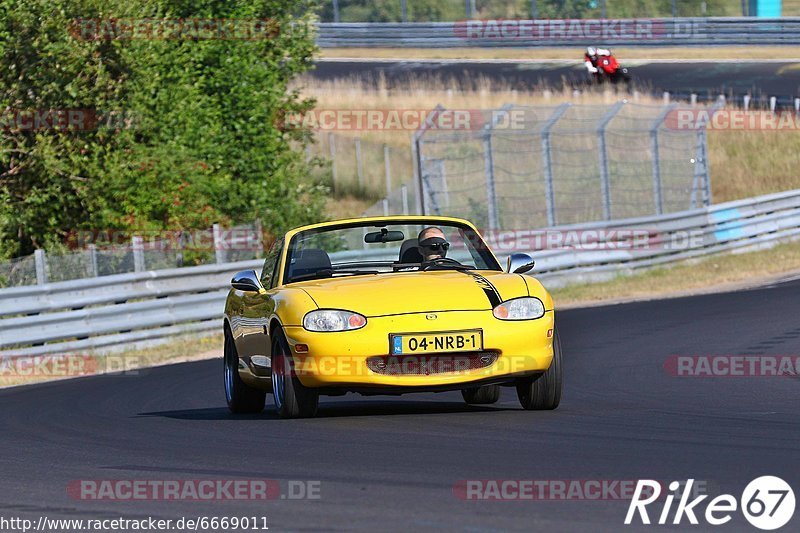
column 592, row 55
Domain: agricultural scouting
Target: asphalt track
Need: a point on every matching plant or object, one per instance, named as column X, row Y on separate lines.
column 774, row 78
column 391, row 463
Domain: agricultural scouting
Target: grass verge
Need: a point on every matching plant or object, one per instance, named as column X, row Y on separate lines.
column 133, row 363
column 717, row 273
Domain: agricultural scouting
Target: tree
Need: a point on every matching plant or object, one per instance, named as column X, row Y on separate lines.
column 195, row 135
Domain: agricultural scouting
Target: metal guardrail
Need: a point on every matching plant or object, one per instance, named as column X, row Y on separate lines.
column 108, row 311
column 731, row 226
column 121, row 310
column 546, row 32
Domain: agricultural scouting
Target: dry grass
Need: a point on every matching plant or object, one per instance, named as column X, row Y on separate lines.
column 728, row 271
column 750, row 163
column 346, row 206
column 572, row 53
column 743, row 163
column 425, row 92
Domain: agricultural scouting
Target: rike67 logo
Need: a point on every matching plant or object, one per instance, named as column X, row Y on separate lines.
column 767, row 503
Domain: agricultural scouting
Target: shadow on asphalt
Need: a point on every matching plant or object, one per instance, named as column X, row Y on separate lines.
column 334, row 410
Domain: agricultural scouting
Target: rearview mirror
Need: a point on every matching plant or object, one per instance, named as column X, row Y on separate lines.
column 519, row 263
column 246, row 280
column 384, row 235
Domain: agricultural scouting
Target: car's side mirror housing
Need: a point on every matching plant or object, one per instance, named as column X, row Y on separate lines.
column 246, row 280
column 519, row 263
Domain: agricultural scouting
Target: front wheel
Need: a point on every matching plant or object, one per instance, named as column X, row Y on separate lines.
column 292, row 399
column 240, row 397
column 544, row 391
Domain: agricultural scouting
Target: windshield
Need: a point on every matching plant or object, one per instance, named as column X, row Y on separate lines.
column 380, row 249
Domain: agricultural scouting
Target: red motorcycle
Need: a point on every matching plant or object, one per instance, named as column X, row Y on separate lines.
column 610, row 71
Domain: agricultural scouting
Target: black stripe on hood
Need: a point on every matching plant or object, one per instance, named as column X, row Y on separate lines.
column 488, row 289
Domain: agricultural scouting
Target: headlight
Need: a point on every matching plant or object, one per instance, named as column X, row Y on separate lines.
column 333, row 320
column 526, row 308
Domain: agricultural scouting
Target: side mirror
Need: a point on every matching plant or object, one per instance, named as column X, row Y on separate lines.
column 246, row 280
column 519, row 263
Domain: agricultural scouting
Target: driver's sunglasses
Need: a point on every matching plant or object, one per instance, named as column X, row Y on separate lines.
column 437, row 246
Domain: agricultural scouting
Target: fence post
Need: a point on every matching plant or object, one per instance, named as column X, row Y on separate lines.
column 658, row 199
column 403, row 11
column 219, row 244
column 41, row 266
column 701, row 180
column 488, row 169
column 417, row 165
column 416, row 156
column 259, row 231
column 137, row 245
column 404, row 198
column 359, row 165
column 332, row 147
column 547, row 163
column 336, row 10
column 181, row 245
column 92, row 249
column 387, row 169
column 605, row 180
column 534, row 10
column 385, row 203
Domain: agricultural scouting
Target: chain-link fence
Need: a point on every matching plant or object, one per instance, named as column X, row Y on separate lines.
column 533, row 167
column 107, row 252
column 363, row 167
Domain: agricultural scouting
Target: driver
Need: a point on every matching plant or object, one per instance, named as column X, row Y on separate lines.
column 432, row 244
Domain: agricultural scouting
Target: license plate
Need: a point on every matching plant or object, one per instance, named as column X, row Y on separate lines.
column 437, row 342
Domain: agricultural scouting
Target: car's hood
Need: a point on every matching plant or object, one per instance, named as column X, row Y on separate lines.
column 414, row 292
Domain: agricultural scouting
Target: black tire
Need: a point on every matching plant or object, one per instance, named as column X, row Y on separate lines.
column 481, row 395
column 240, row 397
column 544, row 391
column 292, row 399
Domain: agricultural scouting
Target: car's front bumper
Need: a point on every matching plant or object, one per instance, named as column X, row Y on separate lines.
column 340, row 360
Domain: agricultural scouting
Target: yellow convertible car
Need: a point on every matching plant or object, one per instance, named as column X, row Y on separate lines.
column 388, row 305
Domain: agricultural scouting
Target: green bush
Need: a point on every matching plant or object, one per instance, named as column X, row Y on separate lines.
column 205, row 142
